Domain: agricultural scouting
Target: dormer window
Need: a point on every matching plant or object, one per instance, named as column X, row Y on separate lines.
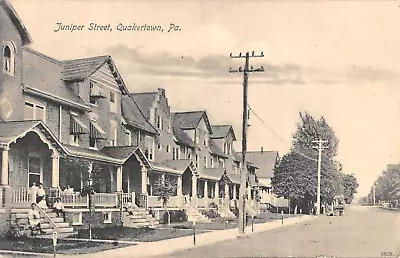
column 113, row 102
column 8, row 58
column 95, row 93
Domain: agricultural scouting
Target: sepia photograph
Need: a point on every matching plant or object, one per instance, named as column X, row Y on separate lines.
column 259, row 128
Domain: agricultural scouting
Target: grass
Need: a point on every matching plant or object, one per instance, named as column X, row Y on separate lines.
column 144, row 234
column 39, row 245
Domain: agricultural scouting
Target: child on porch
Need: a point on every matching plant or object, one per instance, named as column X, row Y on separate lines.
column 68, row 190
column 129, row 207
column 59, row 207
column 40, row 193
column 42, row 204
column 34, row 219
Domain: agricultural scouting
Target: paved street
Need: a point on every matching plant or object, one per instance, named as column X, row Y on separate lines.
column 361, row 232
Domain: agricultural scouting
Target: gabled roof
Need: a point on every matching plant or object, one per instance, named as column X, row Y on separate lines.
column 80, row 69
column 214, row 149
column 235, row 178
column 46, row 82
column 10, row 131
column 159, row 167
column 134, row 116
column 236, row 156
column 125, row 152
column 181, row 136
column 191, row 119
column 265, row 160
column 145, row 101
column 23, row 32
column 181, row 165
column 222, row 131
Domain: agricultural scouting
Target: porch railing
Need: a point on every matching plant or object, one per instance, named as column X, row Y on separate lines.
column 127, row 197
column 74, row 200
column 22, row 197
column 175, row 202
column 154, row 202
column 105, row 199
column 2, row 197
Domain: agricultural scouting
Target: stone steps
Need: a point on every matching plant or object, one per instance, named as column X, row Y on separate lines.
column 140, row 218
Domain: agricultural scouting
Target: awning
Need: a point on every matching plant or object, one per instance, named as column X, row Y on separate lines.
column 96, row 131
column 77, row 126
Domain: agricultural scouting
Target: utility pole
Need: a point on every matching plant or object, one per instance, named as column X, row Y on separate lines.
column 243, row 171
column 320, row 147
column 374, row 194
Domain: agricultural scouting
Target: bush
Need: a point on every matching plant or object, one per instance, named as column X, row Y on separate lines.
column 176, row 216
column 213, row 205
column 210, row 214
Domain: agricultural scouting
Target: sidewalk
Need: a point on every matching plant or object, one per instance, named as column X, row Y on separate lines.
column 169, row 246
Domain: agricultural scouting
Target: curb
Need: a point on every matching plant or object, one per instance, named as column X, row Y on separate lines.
column 26, row 253
column 169, row 246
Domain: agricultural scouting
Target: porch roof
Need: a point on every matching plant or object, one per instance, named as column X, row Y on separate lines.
column 212, row 173
column 235, row 178
column 91, row 154
column 123, row 153
column 181, row 165
column 10, row 131
column 159, row 167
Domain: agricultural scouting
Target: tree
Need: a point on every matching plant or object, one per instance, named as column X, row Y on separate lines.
column 74, row 171
column 350, row 185
column 387, row 185
column 295, row 175
column 165, row 187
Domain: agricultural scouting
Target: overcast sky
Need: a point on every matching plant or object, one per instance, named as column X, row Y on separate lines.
column 338, row 59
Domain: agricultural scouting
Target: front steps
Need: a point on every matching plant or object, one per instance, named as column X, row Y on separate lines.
column 225, row 212
column 195, row 215
column 19, row 221
column 140, row 218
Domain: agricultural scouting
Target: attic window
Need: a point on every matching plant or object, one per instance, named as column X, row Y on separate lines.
column 8, row 58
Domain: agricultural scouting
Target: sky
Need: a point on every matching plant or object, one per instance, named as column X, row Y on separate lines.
column 335, row 59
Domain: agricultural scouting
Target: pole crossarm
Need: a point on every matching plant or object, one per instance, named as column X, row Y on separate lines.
column 244, row 175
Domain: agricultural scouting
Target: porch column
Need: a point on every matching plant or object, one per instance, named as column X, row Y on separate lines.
column 55, row 171
column 249, row 192
column 194, row 186
column 119, row 179
column 179, row 186
column 144, row 180
column 234, row 192
column 4, row 166
column 206, row 192
column 216, row 190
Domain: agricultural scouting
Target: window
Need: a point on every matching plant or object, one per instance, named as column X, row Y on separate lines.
column 167, row 148
column 225, row 147
column 92, row 99
column 35, row 170
column 113, row 133
column 128, row 138
column 92, row 142
column 9, row 58
column 149, row 147
column 197, row 161
column 159, row 122
column 205, row 162
column 34, row 111
column 229, row 148
column 113, row 102
column 74, row 139
column 159, row 146
column 197, row 136
column 173, row 153
column 211, row 162
column 76, row 218
column 107, row 217
column 189, row 156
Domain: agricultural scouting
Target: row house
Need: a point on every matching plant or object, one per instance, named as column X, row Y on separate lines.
column 75, row 123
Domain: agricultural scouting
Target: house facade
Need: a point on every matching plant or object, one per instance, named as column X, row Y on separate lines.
column 74, row 122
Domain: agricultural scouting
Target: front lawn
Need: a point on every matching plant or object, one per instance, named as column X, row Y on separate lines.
column 144, row 234
column 39, row 245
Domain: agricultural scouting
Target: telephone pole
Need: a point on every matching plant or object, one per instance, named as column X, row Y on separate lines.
column 243, row 171
column 320, row 147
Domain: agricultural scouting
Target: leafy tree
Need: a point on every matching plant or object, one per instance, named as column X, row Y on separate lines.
column 387, row 185
column 295, row 175
column 350, row 185
column 165, row 187
column 73, row 170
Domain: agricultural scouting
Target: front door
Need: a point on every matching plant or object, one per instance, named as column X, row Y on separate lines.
column 35, row 170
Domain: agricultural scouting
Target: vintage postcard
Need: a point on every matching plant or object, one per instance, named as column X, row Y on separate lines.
column 176, row 128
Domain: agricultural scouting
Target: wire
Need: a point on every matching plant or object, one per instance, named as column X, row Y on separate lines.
column 278, row 136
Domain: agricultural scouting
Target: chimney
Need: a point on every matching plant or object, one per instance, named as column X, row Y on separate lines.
column 262, row 150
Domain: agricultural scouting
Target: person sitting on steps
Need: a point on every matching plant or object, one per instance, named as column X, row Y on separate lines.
column 34, row 219
column 58, row 207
